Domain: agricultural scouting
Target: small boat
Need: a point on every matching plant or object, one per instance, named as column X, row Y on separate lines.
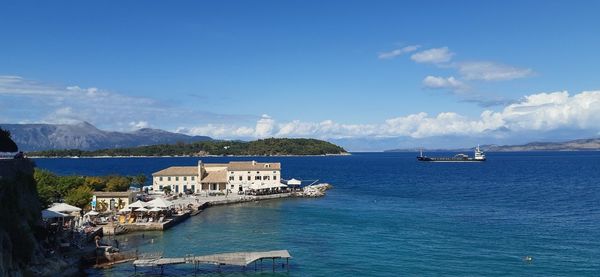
column 478, row 157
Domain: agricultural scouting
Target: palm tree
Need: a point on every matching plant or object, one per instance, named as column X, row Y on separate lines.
column 120, row 204
column 102, row 205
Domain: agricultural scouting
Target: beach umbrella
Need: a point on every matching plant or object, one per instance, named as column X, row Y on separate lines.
column 138, row 204
column 91, row 213
column 124, row 210
column 160, row 203
column 63, row 208
column 142, row 209
column 46, row 214
column 155, row 209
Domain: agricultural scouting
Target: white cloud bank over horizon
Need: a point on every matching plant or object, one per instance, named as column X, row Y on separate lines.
column 542, row 112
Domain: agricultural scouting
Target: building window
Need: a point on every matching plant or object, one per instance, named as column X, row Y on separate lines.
column 241, row 178
column 176, row 188
column 274, row 172
column 230, row 178
column 184, row 188
column 257, row 177
column 169, row 178
column 184, row 178
column 160, row 178
column 274, row 177
column 160, row 187
column 231, row 172
column 249, row 178
column 231, row 186
column 193, row 188
column 257, row 172
column 267, row 165
column 266, row 178
column 193, row 178
column 177, row 178
column 248, row 172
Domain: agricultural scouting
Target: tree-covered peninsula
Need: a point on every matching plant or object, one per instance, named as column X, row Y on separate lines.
column 262, row 147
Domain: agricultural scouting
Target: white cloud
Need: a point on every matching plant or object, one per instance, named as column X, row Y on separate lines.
column 540, row 112
column 434, row 82
column 264, row 127
column 397, row 52
column 434, row 55
column 139, row 125
column 22, row 99
column 489, row 71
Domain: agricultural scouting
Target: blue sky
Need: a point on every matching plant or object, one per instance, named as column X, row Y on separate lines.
column 420, row 73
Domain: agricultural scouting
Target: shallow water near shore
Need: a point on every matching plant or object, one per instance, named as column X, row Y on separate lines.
column 390, row 215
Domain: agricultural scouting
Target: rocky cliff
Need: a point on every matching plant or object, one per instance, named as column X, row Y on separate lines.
column 20, row 218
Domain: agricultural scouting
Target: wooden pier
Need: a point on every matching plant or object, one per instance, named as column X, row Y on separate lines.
column 237, row 259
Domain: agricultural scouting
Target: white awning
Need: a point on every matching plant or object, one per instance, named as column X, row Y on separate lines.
column 138, row 204
column 256, row 186
column 155, row 209
column 63, row 208
column 141, row 210
column 46, row 214
column 294, row 182
column 160, row 203
column 91, row 213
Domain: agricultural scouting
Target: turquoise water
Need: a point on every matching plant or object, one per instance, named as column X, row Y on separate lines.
column 389, row 215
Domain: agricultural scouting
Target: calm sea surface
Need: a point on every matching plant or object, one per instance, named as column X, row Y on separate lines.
column 389, row 215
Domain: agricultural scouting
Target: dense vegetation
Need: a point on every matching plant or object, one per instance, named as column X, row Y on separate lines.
column 77, row 190
column 6, row 143
column 263, row 147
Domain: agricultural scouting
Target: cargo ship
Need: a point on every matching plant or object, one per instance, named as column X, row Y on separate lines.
column 479, row 157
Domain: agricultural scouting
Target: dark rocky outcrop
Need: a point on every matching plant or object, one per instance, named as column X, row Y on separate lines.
column 6, row 143
column 20, row 217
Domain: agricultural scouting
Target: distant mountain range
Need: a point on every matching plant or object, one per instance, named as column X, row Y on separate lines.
column 85, row 136
column 592, row 144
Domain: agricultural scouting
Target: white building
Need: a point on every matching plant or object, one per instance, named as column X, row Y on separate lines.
column 232, row 177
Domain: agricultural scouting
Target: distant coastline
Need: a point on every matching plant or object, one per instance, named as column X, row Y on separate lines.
column 591, row 144
column 184, row 156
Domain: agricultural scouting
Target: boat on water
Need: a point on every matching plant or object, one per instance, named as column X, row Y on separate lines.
column 478, row 157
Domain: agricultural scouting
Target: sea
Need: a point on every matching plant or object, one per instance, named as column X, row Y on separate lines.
column 389, row 215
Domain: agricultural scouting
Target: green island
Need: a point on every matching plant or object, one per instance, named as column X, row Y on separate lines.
column 261, row 147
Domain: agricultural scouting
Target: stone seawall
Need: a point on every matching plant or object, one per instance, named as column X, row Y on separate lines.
column 140, row 227
column 242, row 199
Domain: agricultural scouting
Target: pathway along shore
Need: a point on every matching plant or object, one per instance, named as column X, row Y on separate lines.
column 194, row 204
